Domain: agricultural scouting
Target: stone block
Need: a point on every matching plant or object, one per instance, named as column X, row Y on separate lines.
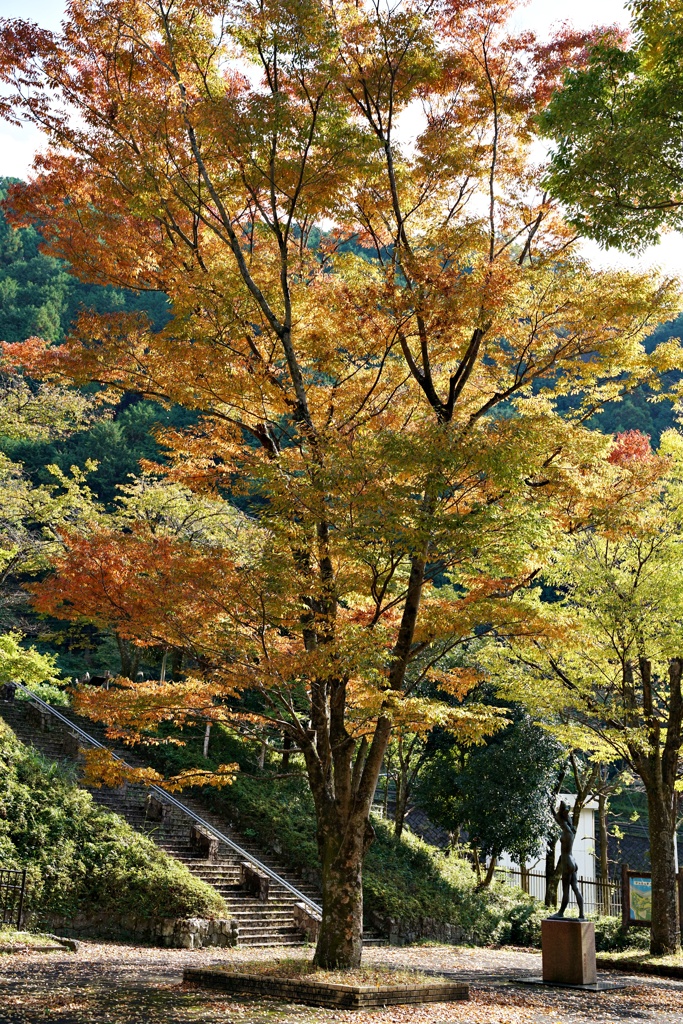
column 38, row 717
column 158, row 810
column 307, row 921
column 568, row 948
column 71, row 745
column 204, row 842
column 255, row 881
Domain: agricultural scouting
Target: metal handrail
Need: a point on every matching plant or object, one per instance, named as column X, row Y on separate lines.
column 169, row 798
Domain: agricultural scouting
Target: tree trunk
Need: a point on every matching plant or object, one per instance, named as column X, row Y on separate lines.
column 340, row 940
column 286, row 748
column 401, row 802
column 489, row 873
column 658, row 769
column 552, row 878
column 130, row 657
column 603, row 805
column 665, row 934
column 524, row 876
column 207, row 735
column 476, row 864
column 176, row 664
column 385, row 802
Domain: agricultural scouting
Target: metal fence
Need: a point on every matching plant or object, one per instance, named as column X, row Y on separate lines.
column 12, row 894
column 598, row 897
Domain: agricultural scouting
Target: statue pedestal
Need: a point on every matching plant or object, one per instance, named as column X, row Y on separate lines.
column 568, row 947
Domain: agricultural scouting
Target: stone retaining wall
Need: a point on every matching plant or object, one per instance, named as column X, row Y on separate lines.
column 403, row 933
column 176, row 933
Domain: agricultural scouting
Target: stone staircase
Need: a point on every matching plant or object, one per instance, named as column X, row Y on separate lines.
column 261, row 923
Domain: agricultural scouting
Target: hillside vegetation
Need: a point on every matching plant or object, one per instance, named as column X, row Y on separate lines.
column 81, row 858
column 404, row 879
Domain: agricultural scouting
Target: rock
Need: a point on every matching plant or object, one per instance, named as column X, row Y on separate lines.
column 71, row 944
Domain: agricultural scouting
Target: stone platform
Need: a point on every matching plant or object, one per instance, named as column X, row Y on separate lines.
column 318, row 993
column 568, row 947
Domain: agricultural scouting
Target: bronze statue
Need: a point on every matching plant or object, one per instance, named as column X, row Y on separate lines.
column 567, row 863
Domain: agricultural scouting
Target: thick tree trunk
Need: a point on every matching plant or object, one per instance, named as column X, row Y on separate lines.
column 665, row 934
column 340, row 941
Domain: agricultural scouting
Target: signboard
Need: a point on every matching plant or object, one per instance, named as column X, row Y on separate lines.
column 640, row 899
column 636, row 898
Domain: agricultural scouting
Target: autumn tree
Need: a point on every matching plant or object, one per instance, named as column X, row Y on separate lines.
column 618, row 161
column 609, row 665
column 386, row 417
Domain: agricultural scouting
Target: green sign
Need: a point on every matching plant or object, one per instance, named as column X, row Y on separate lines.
column 640, row 893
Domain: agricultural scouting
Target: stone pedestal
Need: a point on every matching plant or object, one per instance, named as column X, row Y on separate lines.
column 568, row 952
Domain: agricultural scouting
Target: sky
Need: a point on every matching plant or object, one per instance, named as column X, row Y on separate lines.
column 18, row 145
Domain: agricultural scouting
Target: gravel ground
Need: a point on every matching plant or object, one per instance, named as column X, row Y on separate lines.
column 108, row 983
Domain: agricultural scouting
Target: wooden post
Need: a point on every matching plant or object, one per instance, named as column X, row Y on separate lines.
column 625, row 898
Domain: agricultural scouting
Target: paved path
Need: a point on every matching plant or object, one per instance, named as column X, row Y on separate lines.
column 107, row 983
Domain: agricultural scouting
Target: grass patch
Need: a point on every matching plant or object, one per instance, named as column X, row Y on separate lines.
column 624, row 958
column 296, row 968
column 12, row 940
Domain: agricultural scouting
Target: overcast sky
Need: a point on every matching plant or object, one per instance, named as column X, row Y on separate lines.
column 17, row 145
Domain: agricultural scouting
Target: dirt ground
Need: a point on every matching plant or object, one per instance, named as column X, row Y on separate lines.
column 108, row 983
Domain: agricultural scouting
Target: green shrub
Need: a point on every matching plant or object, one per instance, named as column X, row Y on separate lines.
column 610, row 938
column 48, row 692
column 81, row 858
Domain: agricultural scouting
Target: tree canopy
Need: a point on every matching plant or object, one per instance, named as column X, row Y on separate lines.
column 606, row 670
column 618, row 164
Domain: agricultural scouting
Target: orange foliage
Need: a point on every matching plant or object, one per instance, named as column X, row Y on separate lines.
column 629, row 447
column 102, row 768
